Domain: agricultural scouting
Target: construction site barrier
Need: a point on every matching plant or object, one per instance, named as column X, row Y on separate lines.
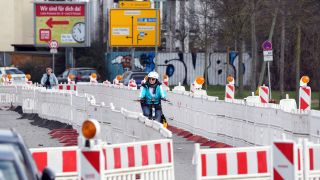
column 150, row 160
column 282, row 160
column 62, row 160
column 221, row 121
column 71, row 107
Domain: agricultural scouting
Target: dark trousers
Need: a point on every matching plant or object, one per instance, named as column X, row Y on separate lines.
column 147, row 111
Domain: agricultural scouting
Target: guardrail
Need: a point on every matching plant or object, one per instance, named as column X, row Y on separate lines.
column 118, row 124
column 236, row 122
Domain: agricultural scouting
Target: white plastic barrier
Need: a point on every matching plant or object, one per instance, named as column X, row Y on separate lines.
column 149, row 160
column 237, row 122
column 73, row 108
column 8, row 95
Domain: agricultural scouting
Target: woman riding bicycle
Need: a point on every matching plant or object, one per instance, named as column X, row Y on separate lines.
column 150, row 95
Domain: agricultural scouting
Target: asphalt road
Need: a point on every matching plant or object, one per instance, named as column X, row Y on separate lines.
column 35, row 136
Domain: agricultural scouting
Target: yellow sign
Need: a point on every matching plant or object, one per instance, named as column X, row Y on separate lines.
column 136, row 28
column 64, row 22
column 134, row 4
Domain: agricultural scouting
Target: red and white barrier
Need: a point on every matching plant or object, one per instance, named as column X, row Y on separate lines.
column 282, row 160
column 92, row 163
column 67, row 87
column 233, row 163
column 230, row 88
column 311, row 156
column 144, row 158
column 62, row 160
column 132, row 85
column 285, row 160
column 305, row 98
column 264, row 94
column 152, row 160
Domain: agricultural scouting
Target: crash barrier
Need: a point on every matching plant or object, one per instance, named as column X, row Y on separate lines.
column 150, row 160
column 281, row 160
column 236, row 122
column 70, row 107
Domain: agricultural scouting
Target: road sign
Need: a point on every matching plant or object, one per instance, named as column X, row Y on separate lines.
column 268, row 55
column 53, row 51
column 134, row 4
column 267, row 45
column 64, row 22
column 128, row 31
column 53, row 44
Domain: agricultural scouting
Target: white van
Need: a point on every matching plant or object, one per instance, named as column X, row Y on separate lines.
column 17, row 75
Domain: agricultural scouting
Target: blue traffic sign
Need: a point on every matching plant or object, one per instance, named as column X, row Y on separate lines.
column 267, row 45
column 147, row 20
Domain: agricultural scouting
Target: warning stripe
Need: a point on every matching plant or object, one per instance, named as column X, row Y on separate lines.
column 262, row 162
column 93, row 157
column 242, row 163
column 204, row 165
column 304, row 98
column 40, row 159
column 264, row 94
column 67, row 87
column 299, row 161
column 131, row 156
column 69, row 159
column 229, row 91
column 222, row 164
column 283, row 156
column 286, row 150
column 307, row 90
column 311, row 158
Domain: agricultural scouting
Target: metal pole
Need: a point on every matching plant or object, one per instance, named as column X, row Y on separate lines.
column 269, row 80
column 133, row 67
column 156, row 41
column 53, row 62
column 4, row 59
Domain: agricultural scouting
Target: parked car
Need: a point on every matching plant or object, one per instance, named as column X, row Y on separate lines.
column 13, row 139
column 11, row 166
column 138, row 76
column 17, row 75
column 81, row 75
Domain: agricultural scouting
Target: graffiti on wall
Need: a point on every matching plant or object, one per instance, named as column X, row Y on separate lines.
column 180, row 67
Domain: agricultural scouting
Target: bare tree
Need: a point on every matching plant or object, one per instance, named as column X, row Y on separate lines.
column 283, row 38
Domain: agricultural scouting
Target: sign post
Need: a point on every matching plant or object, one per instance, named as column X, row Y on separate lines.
column 53, row 44
column 268, row 57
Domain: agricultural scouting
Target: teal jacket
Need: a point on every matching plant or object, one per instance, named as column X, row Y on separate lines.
column 150, row 99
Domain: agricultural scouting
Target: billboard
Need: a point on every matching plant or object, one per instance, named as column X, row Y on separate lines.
column 66, row 23
column 134, row 28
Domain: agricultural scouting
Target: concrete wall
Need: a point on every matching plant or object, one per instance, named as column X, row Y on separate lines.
column 16, row 22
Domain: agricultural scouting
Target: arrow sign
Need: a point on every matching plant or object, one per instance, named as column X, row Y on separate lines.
column 50, row 22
